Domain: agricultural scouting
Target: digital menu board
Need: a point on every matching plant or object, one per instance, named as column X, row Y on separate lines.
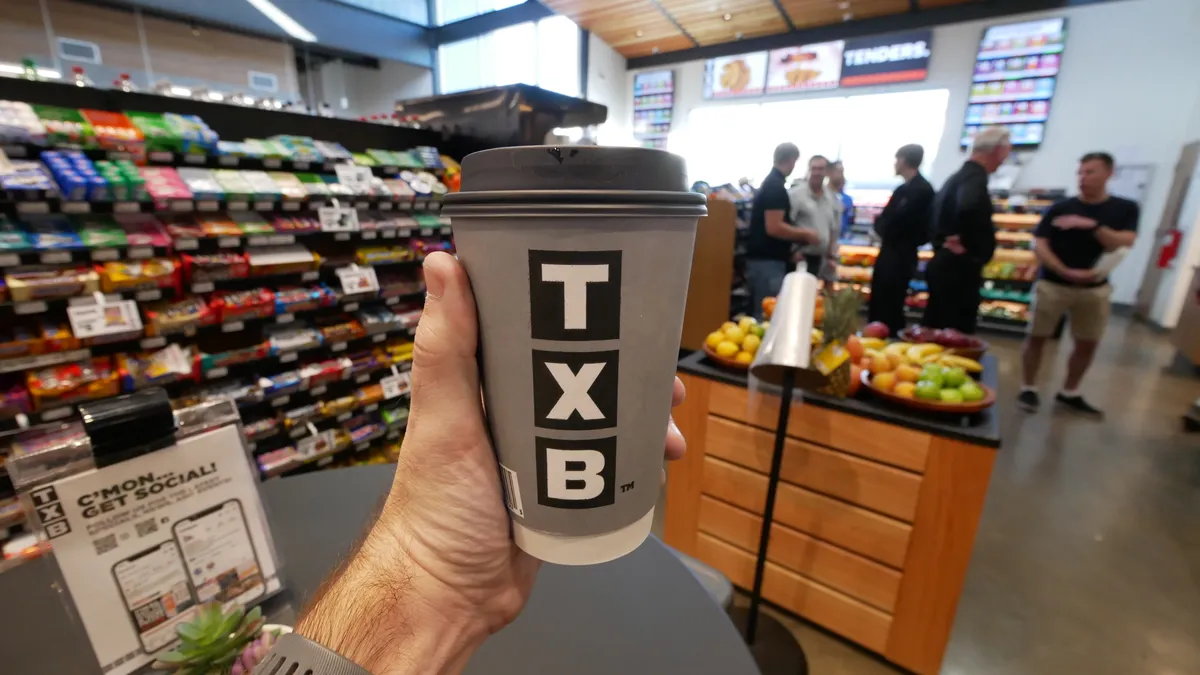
column 734, row 76
column 887, row 59
column 805, row 68
column 1015, row 75
column 653, row 103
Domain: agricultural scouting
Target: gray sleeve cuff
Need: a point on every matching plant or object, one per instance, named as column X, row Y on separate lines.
column 297, row 654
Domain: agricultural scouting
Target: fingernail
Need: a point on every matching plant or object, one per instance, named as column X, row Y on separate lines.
column 435, row 283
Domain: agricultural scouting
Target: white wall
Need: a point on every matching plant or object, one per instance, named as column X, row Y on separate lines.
column 1127, row 85
column 369, row 91
column 608, row 85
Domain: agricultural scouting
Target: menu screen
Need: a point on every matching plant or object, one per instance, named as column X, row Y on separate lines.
column 805, row 68
column 1016, row 70
column 734, row 76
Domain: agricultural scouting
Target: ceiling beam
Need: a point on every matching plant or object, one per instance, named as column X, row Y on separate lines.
column 675, row 23
column 787, row 18
column 530, row 10
column 925, row 18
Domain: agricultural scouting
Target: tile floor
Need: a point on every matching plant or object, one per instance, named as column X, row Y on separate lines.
column 1087, row 559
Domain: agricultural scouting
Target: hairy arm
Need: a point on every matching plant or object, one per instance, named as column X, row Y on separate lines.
column 776, row 227
column 1112, row 239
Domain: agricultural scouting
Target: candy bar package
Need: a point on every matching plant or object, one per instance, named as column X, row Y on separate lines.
column 283, row 383
column 252, row 223
column 65, row 127
column 338, row 329
column 12, row 238
column 199, row 269
column 295, row 224
column 99, row 232
column 72, row 382
column 140, row 274
column 48, row 233
column 262, row 185
column 292, row 338
column 232, row 357
column 164, row 318
column 289, row 186
column 20, row 124
column 268, row 426
column 322, row 372
column 23, row 180
column 377, row 319
column 282, row 260
column 201, row 183
column 14, row 397
column 290, row 299
column 164, row 366
column 241, row 305
column 219, row 226
column 233, row 183
column 144, row 229
column 313, row 185
column 164, row 183
column 50, row 284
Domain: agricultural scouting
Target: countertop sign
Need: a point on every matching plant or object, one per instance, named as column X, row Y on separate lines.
column 886, row 59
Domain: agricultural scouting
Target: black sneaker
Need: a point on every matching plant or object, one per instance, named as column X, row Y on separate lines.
column 1028, row 400
column 1077, row 404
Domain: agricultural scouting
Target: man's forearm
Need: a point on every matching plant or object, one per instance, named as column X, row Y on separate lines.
column 1046, row 257
column 389, row 623
column 1112, row 239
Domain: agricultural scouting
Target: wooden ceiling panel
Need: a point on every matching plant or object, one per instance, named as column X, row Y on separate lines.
column 929, row 4
column 705, row 20
column 810, row 13
column 632, row 27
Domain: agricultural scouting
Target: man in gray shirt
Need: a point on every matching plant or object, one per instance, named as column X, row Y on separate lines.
column 816, row 208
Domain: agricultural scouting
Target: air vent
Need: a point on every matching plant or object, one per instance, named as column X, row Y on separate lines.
column 264, row 81
column 79, row 50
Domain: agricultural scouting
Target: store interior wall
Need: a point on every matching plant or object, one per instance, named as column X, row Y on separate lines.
column 608, row 86
column 1127, row 85
column 186, row 55
column 355, row 91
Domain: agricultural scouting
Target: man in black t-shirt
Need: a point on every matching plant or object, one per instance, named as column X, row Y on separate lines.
column 1069, row 241
column 903, row 227
column 769, row 248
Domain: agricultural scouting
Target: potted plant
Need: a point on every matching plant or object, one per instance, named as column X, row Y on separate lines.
column 215, row 642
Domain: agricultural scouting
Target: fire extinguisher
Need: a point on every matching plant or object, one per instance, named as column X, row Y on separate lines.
column 1170, row 247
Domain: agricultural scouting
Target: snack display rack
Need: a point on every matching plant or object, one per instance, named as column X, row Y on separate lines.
column 288, row 281
column 653, row 105
column 1008, row 278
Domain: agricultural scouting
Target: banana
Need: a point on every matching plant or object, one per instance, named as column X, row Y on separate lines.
column 956, row 361
column 898, row 348
column 923, row 353
column 872, row 343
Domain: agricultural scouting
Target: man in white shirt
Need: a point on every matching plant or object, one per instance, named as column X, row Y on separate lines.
column 816, row 208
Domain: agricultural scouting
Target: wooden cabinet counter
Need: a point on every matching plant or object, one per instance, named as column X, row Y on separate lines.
column 876, row 512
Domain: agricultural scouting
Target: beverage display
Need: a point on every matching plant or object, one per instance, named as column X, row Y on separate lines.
column 579, row 259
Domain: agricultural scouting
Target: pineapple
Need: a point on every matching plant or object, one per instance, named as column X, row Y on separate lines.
column 839, row 323
column 212, row 643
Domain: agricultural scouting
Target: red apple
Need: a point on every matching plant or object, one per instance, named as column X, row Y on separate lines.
column 876, row 329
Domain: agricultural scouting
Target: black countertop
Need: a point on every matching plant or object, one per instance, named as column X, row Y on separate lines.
column 980, row 429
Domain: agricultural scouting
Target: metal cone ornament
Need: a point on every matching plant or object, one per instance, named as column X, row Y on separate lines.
column 787, row 344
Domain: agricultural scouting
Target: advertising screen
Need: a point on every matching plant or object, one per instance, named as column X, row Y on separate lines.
column 734, row 76
column 805, row 68
column 887, row 59
column 1015, row 75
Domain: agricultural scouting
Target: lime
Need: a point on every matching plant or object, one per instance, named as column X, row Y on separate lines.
column 928, row 390
column 951, row 396
column 955, row 378
column 972, row 392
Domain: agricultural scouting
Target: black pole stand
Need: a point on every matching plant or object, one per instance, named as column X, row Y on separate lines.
column 774, row 648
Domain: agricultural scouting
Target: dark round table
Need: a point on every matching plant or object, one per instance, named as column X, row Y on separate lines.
column 644, row 613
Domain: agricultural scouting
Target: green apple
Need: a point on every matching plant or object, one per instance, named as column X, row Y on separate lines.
column 933, row 373
column 928, row 390
column 972, row 391
column 955, row 378
column 951, row 396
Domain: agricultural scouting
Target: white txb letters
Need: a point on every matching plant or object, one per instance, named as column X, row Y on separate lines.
column 558, row 477
column 575, row 279
column 575, row 391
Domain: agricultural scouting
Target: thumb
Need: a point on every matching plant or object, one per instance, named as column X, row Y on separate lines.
column 445, row 374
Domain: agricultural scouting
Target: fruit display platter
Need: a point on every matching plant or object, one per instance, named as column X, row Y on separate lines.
column 964, row 408
column 954, row 341
column 724, row 361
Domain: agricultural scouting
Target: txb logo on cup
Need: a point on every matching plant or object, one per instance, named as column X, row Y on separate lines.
column 575, row 296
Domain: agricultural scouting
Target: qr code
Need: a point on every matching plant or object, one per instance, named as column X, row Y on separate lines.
column 148, row 526
column 105, row 544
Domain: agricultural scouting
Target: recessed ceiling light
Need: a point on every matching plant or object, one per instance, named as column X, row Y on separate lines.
column 727, row 16
column 843, row 6
column 847, row 16
column 654, row 50
column 737, row 35
column 639, row 33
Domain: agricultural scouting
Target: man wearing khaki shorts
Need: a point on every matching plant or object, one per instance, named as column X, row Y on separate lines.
column 1069, row 241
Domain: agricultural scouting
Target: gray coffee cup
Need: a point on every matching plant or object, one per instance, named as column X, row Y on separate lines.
column 579, row 258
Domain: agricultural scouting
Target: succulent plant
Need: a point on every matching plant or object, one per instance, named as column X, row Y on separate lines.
column 213, row 641
column 253, row 653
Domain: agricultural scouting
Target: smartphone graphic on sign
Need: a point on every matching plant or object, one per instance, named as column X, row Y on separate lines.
column 154, row 586
column 219, row 555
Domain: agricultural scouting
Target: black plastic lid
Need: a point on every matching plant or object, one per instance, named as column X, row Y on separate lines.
column 570, row 178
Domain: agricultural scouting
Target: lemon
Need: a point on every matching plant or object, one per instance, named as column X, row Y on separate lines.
column 726, row 349
column 744, row 357
column 746, row 322
column 750, row 343
column 727, row 325
column 714, row 338
column 734, row 335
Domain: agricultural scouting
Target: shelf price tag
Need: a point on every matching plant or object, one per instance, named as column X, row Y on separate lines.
column 356, row 280
column 395, row 385
column 338, row 219
column 104, row 318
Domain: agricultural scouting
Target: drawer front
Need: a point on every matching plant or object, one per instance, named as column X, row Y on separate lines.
column 865, row 580
column 836, row 611
column 887, row 443
column 872, row 485
column 861, row 531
